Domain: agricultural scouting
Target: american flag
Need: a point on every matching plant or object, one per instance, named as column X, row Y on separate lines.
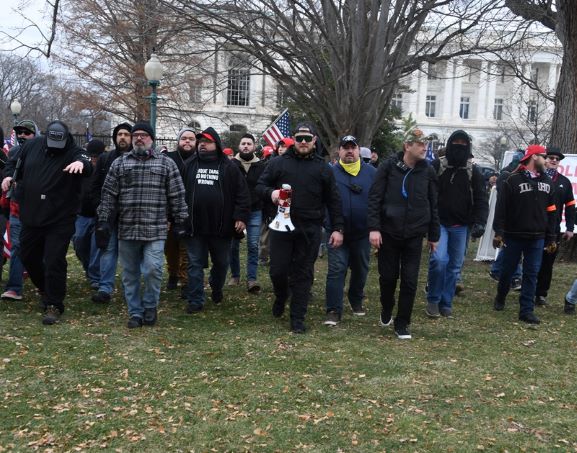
column 278, row 130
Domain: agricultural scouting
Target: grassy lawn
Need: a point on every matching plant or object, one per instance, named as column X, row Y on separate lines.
column 234, row 379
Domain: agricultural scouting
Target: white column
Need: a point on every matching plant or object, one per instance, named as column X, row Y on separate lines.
column 491, row 90
column 457, row 88
column 552, row 79
column 448, row 91
column 423, row 85
column 414, row 95
column 482, row 92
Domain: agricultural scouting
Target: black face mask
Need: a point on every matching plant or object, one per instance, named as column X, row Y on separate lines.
column 457, row 155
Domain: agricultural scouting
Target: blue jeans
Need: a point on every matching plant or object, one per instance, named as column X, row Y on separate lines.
column 445, row 265
column 85, row 247
column 198, row 248
column 532, row 252
column 571, row 296
column 146, row 259
column 108, row 263
column 15, row 278
column 354, row 255
column 498, row 265
column 252, row 238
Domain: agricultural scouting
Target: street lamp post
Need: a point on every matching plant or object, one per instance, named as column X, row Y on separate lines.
column 153, row 70
column 15, row 108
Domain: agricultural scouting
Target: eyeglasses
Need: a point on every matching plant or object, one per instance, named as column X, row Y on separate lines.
column 140, row 135
column 553, row 158
column 306, row 138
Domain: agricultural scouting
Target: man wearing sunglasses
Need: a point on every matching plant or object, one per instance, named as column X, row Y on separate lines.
column 525, row 219
column 293, row 254
column 24, row 130
column 563, row 201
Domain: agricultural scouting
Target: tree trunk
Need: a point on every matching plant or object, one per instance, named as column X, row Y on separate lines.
column 564, row 130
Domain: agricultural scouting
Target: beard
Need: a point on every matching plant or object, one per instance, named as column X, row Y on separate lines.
column 141, row 150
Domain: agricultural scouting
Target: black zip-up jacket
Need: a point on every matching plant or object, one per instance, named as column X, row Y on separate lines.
column 564, row 200
column 403, row 201
column 255, row 170
column 526, row 207
column 47, row 194
column 234, row 194
column 313, row 185
column 179, row 160
column 462, row 202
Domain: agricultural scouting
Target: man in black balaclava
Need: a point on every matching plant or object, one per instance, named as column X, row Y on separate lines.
column 463, row 209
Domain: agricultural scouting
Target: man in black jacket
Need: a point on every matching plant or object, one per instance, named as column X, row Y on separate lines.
column 463, row 209
column 174, row 248
column 251, row 167
column 122, row 138
column 293, row 254
column 218, row 205
column 564, row 201
column 524, row 222
column 49, row 185
column 402, row 210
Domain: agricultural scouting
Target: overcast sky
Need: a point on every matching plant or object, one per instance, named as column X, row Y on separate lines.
column 14, row 15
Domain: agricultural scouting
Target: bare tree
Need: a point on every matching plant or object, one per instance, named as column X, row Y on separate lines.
column 559, row 16
column 342, row 59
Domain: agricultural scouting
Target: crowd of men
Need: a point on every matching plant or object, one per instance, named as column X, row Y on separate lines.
column 193, row 206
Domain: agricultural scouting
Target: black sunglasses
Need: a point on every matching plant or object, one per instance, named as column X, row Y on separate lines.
column 306, row 138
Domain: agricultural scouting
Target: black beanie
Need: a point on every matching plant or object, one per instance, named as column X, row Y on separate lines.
column 121, row 126
column 95, row 148
column 143, row 126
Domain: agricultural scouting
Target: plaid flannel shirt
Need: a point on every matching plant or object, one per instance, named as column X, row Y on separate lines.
column 140, row 192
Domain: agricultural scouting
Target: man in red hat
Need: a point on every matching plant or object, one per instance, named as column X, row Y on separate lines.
column 524, row 222
column 564, row 200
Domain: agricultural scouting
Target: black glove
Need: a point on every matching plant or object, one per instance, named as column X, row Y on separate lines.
column 477, row 230
column 180, row 230
column 102, row 235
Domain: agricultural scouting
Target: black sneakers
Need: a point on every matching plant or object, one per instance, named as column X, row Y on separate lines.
column 150, row 316
column 134, row 322
column 194, row 308
column 540, row 301
column 385, row 321
column 402, row 333
column 569, row 309
column 51, row 315
column 298, row 327
column 529, row 318
column 516, row 284
column 359, row 310
column 217, row 297
column 332, row 319
column 101, row 298
column 432, row 310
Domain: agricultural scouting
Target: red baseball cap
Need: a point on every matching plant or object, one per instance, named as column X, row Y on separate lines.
column 228, row 151
column 534, row 149
column 286, row 142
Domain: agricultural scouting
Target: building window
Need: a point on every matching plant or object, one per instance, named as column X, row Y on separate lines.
column 433, row 73
column 498, row 109
column 532, row 111
column 464, row 108
column 238, row 128
column 237, row 92
column 397, row 102
column 430, row 106
column 195, row 91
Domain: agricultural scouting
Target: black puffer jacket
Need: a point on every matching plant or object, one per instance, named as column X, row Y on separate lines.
column 403, row 201
column 313, row 185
